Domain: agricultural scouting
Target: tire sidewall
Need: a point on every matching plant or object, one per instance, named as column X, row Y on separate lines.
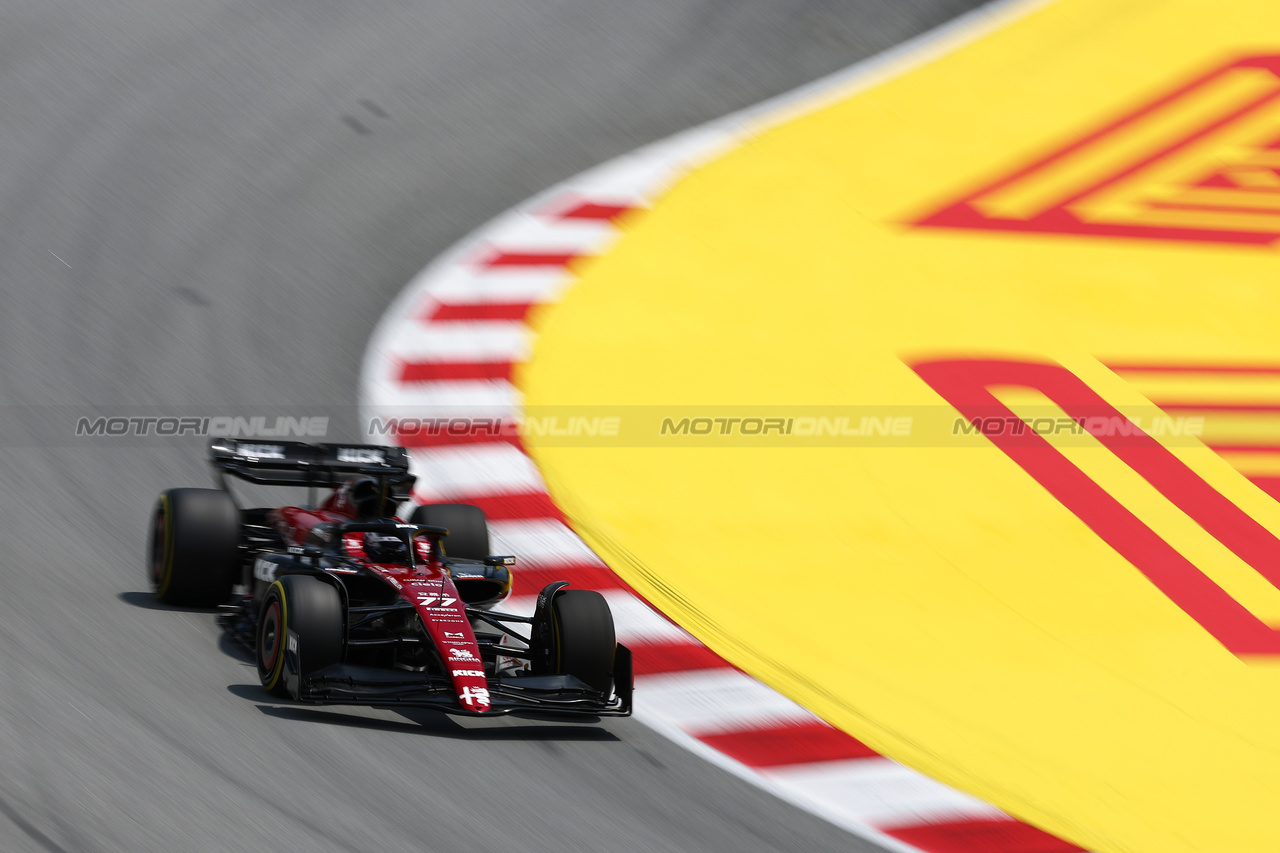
column 273, row 616
column 583, row 637
column 193, row 547
column 311, row 610
column 160, row 548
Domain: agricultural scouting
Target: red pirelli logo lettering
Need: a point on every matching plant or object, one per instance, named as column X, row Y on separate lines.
column 968, row 386
column 1199, row 163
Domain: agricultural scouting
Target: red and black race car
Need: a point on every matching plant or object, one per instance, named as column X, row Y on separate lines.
column 344, row 603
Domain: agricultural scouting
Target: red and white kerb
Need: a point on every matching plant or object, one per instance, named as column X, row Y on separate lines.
column 448, row 345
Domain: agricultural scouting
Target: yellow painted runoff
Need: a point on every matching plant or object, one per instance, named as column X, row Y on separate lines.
column 1073, row 222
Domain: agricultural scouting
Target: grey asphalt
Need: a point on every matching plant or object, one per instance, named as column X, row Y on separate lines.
column 205, row 206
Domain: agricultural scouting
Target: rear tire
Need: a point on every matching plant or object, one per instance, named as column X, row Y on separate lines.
column 468, row 537
column 311, row 609
column 194, row 553
column 583, row 642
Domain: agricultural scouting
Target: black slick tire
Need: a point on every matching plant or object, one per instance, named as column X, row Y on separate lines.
column 468, row 537
column 194, row 556
column 309, row 608
column 583, row 642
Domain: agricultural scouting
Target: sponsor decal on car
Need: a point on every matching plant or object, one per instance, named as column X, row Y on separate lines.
column 461, row 655
column 261, row 451
column 477, row 673
column 264, row 570
column 361, row 456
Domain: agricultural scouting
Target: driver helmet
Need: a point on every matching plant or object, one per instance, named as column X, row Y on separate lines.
column 384, row 548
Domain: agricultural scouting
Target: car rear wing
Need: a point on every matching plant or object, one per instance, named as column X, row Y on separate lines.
column 296, row 463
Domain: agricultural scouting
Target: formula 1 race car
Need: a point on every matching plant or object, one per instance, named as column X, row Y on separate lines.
column 344, row 603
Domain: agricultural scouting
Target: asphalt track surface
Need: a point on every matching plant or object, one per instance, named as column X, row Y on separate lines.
column 209, row 205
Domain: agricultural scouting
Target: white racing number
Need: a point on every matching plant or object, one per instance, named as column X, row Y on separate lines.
column 473, row 695
column 428, row 600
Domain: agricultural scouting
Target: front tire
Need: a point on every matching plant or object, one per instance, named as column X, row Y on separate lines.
column 194, row 553
column 583, row 642
column 309, row 608
column 468, row 537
